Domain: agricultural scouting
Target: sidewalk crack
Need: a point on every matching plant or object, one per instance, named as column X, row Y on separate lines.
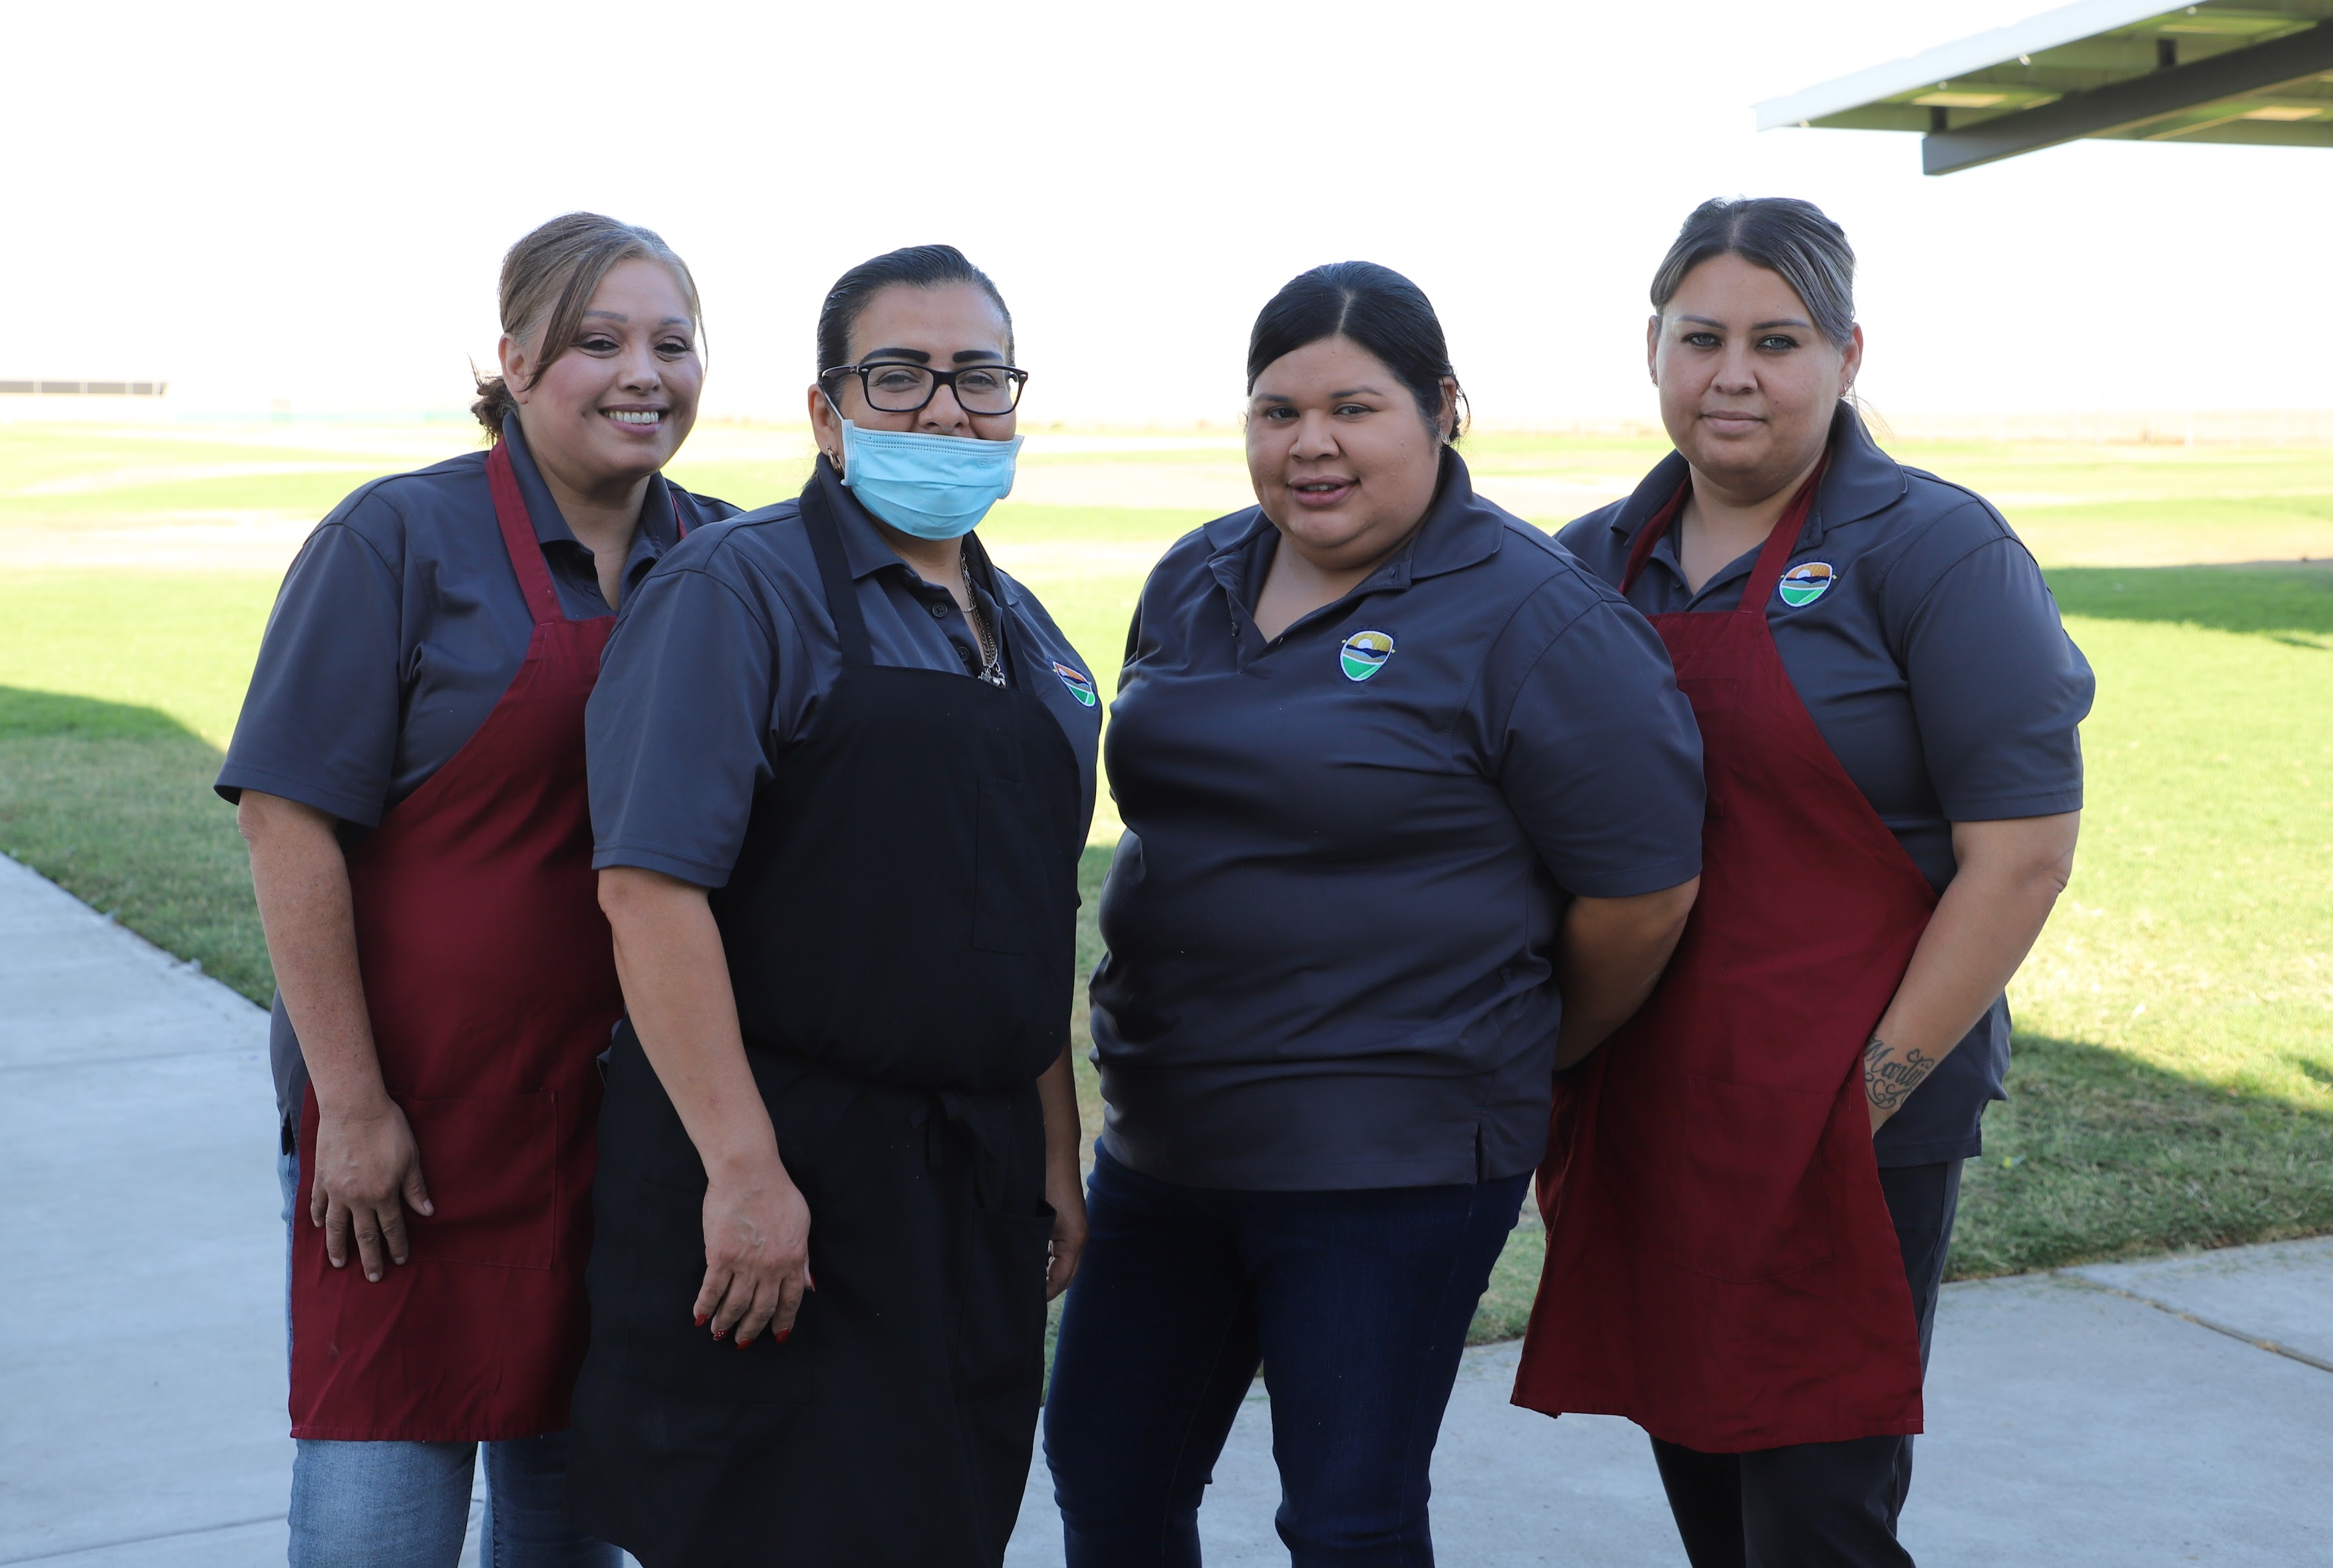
column 2181, row 1313
column 89, row 1547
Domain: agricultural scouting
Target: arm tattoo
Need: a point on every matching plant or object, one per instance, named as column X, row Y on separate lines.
column 1886, row 1081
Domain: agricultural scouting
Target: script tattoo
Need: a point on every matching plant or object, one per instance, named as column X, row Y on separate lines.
column 1886, row 1081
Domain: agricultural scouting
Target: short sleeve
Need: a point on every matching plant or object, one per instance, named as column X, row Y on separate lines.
column 1998, row 688
column 678, row 729
column 1600, row 758
column 320, row 723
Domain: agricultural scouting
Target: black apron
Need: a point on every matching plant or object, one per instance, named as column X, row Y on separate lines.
column 899, row 930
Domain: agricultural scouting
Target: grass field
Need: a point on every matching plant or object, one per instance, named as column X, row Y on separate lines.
column 2174, row 1079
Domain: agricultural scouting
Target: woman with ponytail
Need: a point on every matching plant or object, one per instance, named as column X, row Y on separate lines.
column 409, row 770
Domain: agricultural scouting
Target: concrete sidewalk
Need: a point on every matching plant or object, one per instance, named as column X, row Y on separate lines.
column 2167, row 1413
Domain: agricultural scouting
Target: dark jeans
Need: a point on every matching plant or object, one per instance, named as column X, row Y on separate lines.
column 1821, row 1504
column 1355, row 1303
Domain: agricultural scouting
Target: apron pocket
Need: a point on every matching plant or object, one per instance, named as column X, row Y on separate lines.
column 492, row 1163
column 1000, row 1330
column 649, row 1335
column 1754, row 1204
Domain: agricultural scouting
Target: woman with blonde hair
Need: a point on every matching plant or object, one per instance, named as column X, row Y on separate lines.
column 409, row 772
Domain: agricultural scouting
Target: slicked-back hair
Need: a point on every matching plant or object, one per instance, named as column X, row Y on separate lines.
column 547, row 280
column 1375, row 307
column 911, row 266
column 1783, row 235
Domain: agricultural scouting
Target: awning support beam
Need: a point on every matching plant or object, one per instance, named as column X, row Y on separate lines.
column 2129, row 103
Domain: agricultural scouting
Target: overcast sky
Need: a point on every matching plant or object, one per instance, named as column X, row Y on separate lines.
column 310, row 202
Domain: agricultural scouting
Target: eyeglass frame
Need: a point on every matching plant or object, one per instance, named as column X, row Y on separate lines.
column 1013, row 373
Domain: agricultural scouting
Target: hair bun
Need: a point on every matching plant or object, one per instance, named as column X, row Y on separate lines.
column 494, row 405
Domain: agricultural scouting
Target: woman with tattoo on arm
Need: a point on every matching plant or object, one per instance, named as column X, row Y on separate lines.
column 1750, row 1188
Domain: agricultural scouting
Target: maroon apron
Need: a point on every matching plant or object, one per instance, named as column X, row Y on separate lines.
column 490, row 978
column 1721, row 1265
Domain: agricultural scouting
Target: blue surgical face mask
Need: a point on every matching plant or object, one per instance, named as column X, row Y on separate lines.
column 930, row 486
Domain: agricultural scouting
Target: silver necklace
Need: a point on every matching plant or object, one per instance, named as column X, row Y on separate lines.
column 992, row 668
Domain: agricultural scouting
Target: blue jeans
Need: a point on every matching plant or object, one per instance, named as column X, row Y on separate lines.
column 1355, row 1303
column 402, row 1504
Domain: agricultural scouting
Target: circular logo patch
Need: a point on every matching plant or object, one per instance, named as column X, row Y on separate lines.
column 1364, row 654
column 1804, row 584
column 1080, row 683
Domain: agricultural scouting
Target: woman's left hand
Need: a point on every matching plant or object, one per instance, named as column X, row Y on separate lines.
column 1066, row 1191
column 1065, row 1188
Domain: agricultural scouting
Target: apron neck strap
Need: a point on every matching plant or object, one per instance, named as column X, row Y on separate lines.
column 518, row 537
column 1651, row 535
column 833, row 575
column 1782, row 540
column 1779, row 543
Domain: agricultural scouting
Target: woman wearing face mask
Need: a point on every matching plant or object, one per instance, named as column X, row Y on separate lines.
column 1413, row 813
column 1751, row 1190
column 842, row 769
column 408, row 769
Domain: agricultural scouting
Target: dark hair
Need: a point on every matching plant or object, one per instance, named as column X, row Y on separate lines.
column 1782, row 235
column 911, row 266
column 548, row 280
column 1376, row 308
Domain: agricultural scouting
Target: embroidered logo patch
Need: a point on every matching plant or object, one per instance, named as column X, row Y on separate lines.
column 1364, row 654
column 1804, row 584
column 1081, row 684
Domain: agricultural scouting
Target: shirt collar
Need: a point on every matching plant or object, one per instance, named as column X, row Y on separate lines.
column 657, row 531
column 1460, row 530
column 1860, row 481
column 864, row 552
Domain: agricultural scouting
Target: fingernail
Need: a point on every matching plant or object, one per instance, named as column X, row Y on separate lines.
column 744, row 1342
column 720, row 1334
column 784, row 1335
column 703, row 1318
column 374, row 1278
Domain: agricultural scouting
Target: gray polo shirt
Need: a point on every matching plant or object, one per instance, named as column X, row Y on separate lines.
column 1349, row 849
column 1935, row 666
column 720, row 659
column 399, row 628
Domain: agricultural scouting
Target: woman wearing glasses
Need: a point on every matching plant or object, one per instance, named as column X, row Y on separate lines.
column 842, row 769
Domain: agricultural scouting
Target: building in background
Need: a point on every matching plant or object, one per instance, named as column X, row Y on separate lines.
column 2254, row 72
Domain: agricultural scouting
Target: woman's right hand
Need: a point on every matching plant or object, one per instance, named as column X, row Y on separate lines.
column 367, row 1173
column 756, row 1252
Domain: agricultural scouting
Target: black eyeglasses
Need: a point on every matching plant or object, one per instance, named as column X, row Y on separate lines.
column 899, row 386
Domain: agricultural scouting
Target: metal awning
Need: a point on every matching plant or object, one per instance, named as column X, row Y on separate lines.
column 2259, row 71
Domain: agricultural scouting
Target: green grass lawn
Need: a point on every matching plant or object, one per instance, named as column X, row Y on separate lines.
column 2173, row 1075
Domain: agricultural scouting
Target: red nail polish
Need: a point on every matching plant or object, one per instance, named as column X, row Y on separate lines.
column 784, row 1335
column 720, row 1334
column 744, row 1342
column 702, row 1319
